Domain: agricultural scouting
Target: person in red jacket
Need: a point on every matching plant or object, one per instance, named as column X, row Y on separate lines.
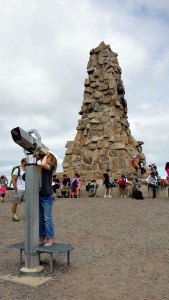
column 123, row 183
column 134, row 163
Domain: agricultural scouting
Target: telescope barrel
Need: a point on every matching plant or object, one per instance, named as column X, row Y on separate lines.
column 28, row 142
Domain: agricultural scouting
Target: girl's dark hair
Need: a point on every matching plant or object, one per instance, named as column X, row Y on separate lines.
column 167, row 166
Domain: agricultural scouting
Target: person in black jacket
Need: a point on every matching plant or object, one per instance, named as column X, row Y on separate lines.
column 107, row 183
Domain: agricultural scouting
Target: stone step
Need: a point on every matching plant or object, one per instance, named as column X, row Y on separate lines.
column 161, row 193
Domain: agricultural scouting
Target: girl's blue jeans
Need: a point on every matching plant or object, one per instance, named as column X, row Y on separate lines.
column 46, row 226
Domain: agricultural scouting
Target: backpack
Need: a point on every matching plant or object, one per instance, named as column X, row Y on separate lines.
column 137, row 195
column 19, row 171
column 14, row 168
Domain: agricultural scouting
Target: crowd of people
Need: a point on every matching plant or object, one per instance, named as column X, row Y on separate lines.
column 66, row 187
column 151, row 175
column 52, row 186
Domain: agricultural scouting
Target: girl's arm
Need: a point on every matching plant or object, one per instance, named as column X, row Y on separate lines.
column 46, row 162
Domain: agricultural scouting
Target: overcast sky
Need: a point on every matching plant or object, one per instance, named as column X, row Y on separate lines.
column 44, row 50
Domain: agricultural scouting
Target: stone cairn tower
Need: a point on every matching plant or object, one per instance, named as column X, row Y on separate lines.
column 103, row 139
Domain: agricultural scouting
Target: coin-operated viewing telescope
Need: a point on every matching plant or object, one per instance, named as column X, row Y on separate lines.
column 30, row 141
column 31, row 144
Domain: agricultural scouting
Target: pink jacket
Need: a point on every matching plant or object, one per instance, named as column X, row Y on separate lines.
column 3, row 190
column 167, row 175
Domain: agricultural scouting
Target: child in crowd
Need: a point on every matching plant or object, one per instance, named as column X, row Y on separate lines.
column 75, row 186
column 78, row 185
column 123, row 183
column 2, row 191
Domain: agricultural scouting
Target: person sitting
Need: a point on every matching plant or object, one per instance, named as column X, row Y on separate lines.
column 141, row 167
column 134, row 163
column 92, row 187
column 78, row 185
column 65, row 185
column 152, row 182
column 136, row 183
column 74, row 186
column 162, row 183
column 123, row 183
column 135, row 192
column 56, row 184
column 121, row 93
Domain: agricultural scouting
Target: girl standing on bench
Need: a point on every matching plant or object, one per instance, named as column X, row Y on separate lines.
column 46, row 199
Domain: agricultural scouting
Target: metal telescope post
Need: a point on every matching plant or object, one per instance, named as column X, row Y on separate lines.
column 32, row 213
column 31, row 147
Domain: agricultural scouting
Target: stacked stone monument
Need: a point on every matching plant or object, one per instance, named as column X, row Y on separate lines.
column 103, row 139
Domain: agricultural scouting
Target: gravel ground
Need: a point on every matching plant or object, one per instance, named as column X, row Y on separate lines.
column 120, row 250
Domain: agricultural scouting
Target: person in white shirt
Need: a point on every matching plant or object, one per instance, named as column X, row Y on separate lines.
column 152, row 182
column 18, row 180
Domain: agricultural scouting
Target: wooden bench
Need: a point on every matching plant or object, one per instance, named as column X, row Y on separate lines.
column 55, row 248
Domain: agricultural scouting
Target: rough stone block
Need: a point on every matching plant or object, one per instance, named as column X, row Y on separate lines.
column 98, row 94
column 103, row 87
column 69, row 144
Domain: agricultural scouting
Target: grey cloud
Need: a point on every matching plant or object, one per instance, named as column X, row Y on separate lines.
column 44, row 52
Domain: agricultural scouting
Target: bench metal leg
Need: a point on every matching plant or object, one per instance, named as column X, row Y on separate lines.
column 68, row 258
column 51, row 262
column 21, row 256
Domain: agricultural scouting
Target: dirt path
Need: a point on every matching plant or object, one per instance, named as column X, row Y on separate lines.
column 121, row 251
